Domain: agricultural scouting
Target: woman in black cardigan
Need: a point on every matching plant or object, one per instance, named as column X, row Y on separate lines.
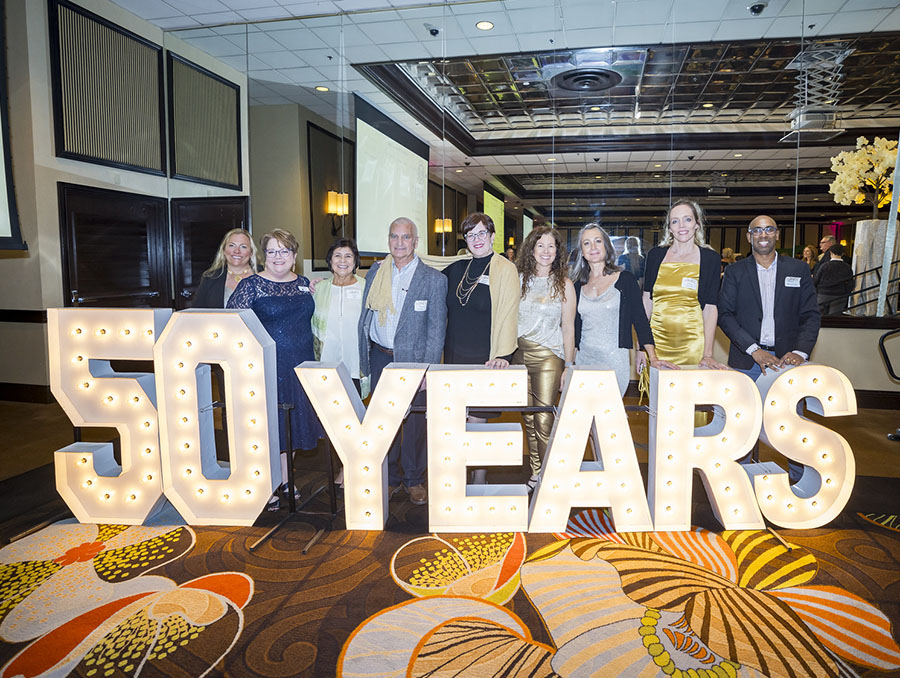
column 681, row 290
column 608, row 306
column 235, row 260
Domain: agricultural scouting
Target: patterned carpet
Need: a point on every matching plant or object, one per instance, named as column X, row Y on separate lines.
column 164, row 600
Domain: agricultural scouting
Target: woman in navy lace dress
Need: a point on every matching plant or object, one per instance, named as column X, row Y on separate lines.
column 284, row 305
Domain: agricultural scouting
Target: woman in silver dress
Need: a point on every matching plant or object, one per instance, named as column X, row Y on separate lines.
column 608, row 305
column 546, row 342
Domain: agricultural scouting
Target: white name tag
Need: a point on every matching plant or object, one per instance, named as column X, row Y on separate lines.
column 354, row 293
column 791, row 281
column 689, row 283
column 421, row 304
column 484, row 280
column 303, row 288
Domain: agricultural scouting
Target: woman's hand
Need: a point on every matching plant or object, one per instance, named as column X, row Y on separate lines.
column 313, row 282
column 664, row 364
column 710, row 363
column 563, row 378
column 640, row 359
column 497, row 364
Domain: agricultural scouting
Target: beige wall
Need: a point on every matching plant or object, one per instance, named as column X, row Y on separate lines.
column 33, row 279
column 279, row 171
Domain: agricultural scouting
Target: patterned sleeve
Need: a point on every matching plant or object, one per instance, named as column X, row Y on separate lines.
column 244, row 294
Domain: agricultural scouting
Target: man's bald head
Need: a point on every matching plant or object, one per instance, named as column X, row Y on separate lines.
column 762, row 221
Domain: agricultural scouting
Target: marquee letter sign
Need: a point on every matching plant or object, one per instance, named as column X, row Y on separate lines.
column 204, row 491
column 171, row 454
column 82, row 342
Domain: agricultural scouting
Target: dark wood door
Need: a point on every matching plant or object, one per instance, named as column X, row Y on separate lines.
column 114, row 248
column 198, row 226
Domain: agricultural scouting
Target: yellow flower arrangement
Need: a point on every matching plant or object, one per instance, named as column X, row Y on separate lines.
column 865, row 175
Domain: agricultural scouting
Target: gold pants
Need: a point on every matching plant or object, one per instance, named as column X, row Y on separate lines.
column 544, row 371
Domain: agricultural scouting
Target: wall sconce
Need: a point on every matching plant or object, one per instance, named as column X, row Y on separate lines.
column 511, row 242
column 337, row 204
column 442, row 226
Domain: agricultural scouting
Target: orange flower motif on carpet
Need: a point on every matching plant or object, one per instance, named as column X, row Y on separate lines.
column 738, row 602
column 132, row 633
column 482, row 566
column 50, row 577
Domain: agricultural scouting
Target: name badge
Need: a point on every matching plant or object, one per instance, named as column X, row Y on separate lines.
column 689, row 283
column 485, row 280
column 421, row 304
column 303, row 288
column 791, row 281
column 354, row 293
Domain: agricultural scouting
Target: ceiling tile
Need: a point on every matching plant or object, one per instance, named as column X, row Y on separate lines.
column 298, row 38
column 393, row 31
column 150, row 9
column 282, row 59
column 855, row 22
column 684, row 11
column 202, row 6
column 217, row 46
column 790, row 26
column 310, row 8
column 580, row 38
column 701, row 31
column 638, row 12
column 743, row 29
column 891, row 22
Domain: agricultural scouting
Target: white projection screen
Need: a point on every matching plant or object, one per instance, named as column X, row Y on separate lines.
column 493, row 207
column 391, row 179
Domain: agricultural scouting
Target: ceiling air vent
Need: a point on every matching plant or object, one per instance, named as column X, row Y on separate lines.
column 586, row 80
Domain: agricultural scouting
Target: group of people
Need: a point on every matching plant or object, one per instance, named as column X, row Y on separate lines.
column 547, row 311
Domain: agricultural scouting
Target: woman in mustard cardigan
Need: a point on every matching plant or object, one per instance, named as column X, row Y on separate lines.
column 482, row 305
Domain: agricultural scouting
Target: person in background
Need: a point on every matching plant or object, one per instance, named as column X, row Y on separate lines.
column 608, row 302
column 834, row 282
column 681, row 290
column 810, row 256
column 403, row 320
column 632, row 260
column 511, row 253
column 482, row 306
column 825, row 244
column 282, row 301
column 767, row 309
column 546, row 327
column 235, row 260
column 727, row 258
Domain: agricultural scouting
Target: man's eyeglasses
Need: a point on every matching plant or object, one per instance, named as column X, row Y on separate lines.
column 759, row 230
column 481, row 235
column 280, row 253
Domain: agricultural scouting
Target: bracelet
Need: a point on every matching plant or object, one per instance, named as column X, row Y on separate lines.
column 569, row 363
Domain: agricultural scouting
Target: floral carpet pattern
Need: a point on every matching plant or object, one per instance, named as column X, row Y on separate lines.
column 81, row 598
column 691, row 603
column 94, row 601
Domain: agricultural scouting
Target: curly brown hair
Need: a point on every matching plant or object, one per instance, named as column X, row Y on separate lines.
column 527, row 265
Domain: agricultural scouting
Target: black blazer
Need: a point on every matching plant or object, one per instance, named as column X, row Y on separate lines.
column 631, row 312
column 797, row 318
column 211, row 292
column 710, row 273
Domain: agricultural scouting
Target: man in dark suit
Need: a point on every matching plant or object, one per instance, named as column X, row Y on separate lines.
column 404, row 318
column 767, row 308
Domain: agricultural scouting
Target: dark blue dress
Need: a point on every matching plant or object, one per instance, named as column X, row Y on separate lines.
column 285, row 310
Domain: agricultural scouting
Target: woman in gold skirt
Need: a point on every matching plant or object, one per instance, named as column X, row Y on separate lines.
column 681, row 288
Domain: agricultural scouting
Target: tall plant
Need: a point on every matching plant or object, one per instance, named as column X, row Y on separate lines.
column 865, row 175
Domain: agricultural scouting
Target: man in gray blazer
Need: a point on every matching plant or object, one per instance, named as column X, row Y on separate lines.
column 403, row 320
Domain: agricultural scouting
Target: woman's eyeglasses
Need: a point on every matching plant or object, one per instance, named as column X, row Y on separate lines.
column 280, row 253
column 481, row 235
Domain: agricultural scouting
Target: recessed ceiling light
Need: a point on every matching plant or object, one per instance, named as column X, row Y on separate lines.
column 571, row 203
column 823, row 172
column 657, row 176
column 707, row 105
column 738, row 155
column 781, row 197
column 484, row 25
column 595, row 108
column 657, row 165
column 458, row 171
column 637, row 199
column 431, row 74
column 724, row 174
column 321, row 88
column 815, row 198
column 599, row 176
column 551, row 159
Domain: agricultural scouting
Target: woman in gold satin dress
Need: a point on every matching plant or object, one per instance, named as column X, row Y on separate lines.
column 681, row 288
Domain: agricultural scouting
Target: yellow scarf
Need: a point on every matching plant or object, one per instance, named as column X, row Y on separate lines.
column 380, row 298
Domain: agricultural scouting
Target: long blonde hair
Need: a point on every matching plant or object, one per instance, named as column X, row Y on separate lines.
column 219, row 262
column 699, row 219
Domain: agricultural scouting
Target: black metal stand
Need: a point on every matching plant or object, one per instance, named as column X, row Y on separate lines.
column 293, row 509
